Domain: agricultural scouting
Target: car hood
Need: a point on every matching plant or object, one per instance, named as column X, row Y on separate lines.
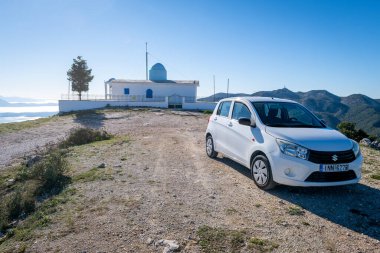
column 320, row 139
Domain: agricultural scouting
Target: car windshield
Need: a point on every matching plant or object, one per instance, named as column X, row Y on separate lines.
column 283, row 114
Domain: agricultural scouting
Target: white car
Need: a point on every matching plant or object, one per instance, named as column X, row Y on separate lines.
column 282, row 142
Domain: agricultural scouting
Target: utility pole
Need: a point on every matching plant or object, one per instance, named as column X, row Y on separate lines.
column 228, row 85
column 146, row 60
column 214, row 87
column 68, row 92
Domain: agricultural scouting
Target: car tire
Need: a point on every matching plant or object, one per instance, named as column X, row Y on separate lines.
column 210, row 151
column 261, row 173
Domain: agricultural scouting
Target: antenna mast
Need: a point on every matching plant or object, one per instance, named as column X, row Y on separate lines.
column 228, row 85
column 146, row 60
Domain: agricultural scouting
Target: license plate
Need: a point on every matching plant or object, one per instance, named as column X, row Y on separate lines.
column 333, row 167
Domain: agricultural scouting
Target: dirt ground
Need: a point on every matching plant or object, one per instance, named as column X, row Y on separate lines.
column 158, row 183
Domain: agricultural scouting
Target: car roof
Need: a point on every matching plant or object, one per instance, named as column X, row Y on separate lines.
column 258, row 99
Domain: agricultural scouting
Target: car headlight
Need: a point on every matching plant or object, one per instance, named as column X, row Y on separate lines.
column 355, row 148
column 292, row 149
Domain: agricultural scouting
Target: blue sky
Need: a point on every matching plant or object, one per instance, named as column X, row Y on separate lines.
column 259, row 45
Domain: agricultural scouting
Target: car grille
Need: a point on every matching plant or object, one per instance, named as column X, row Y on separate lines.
column 318, row 176
column 331, row 157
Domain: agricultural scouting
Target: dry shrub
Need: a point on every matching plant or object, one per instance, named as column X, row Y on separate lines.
column 81, row 136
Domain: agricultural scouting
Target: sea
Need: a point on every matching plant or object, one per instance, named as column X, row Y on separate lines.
column 17, row 112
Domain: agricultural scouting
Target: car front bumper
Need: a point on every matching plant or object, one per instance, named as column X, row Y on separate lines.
column 293, row 171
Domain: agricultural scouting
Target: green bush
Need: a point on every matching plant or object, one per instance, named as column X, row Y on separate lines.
column 46, row 177
column 51, row 172
column 348, row 129
column 81, row 136
column 20, row 202
column 3, row 217
column 14, row 205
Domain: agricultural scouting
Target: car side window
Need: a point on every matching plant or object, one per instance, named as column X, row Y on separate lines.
column 219, row 108
column 225, row 108
column 240, row 111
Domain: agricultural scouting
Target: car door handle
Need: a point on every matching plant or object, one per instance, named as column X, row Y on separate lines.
column 215, row 119
column 230, row 124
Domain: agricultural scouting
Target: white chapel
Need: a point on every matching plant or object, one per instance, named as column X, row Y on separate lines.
column 157, row 87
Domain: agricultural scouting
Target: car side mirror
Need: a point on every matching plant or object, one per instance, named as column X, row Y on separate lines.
column 247, row 122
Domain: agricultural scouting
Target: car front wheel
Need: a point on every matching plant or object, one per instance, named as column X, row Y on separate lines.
column 210, row 147
column 262, row 173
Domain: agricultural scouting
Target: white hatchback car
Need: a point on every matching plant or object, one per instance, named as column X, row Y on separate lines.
column 280, row 141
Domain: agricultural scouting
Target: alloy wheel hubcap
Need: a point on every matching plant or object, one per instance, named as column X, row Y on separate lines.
column 260, row 172
column 209, row 146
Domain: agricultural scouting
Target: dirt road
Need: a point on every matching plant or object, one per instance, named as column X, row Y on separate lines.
column 160, row 184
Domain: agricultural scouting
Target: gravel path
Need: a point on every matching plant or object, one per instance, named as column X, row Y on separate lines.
column 164, row 186
column 15, row 145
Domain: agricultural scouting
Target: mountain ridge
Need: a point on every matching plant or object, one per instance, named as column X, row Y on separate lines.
column 357, row 108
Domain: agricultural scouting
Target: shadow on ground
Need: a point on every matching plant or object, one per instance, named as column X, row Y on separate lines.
column 90, row 119
column 356, row 207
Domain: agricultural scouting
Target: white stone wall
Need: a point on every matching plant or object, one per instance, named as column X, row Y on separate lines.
column 159, row 89
column 76, row 105
column 199, row 106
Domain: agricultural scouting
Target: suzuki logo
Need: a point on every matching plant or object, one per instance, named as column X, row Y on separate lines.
column 334, row 158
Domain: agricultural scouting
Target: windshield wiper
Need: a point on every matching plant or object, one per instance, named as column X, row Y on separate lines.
column 278, row 125
column 305, row 126
column 295, row 126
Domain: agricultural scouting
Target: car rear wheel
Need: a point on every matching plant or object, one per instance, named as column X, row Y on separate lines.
column 262, row 173
column 210, row 147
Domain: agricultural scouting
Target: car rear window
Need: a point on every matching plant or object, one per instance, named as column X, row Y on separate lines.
column 224, row 109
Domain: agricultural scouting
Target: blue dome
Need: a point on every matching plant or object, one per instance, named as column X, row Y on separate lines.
column 158, row 66
column 157, row 73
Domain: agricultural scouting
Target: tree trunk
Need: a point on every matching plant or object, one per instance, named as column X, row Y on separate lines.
column 80, row 95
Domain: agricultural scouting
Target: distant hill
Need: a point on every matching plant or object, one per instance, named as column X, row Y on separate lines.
column 3, row 103
column 356, row 108
column 24, row 102
column 19, row 99
column 221, row 95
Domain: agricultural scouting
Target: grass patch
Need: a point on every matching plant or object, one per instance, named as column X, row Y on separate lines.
column 221, row 240
column 261, row 245
column 295, row 210
column 7, row 179
column 17, row 126
column 94, row 174
column 119, row 140
column 375, row 176
column 207, row 112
